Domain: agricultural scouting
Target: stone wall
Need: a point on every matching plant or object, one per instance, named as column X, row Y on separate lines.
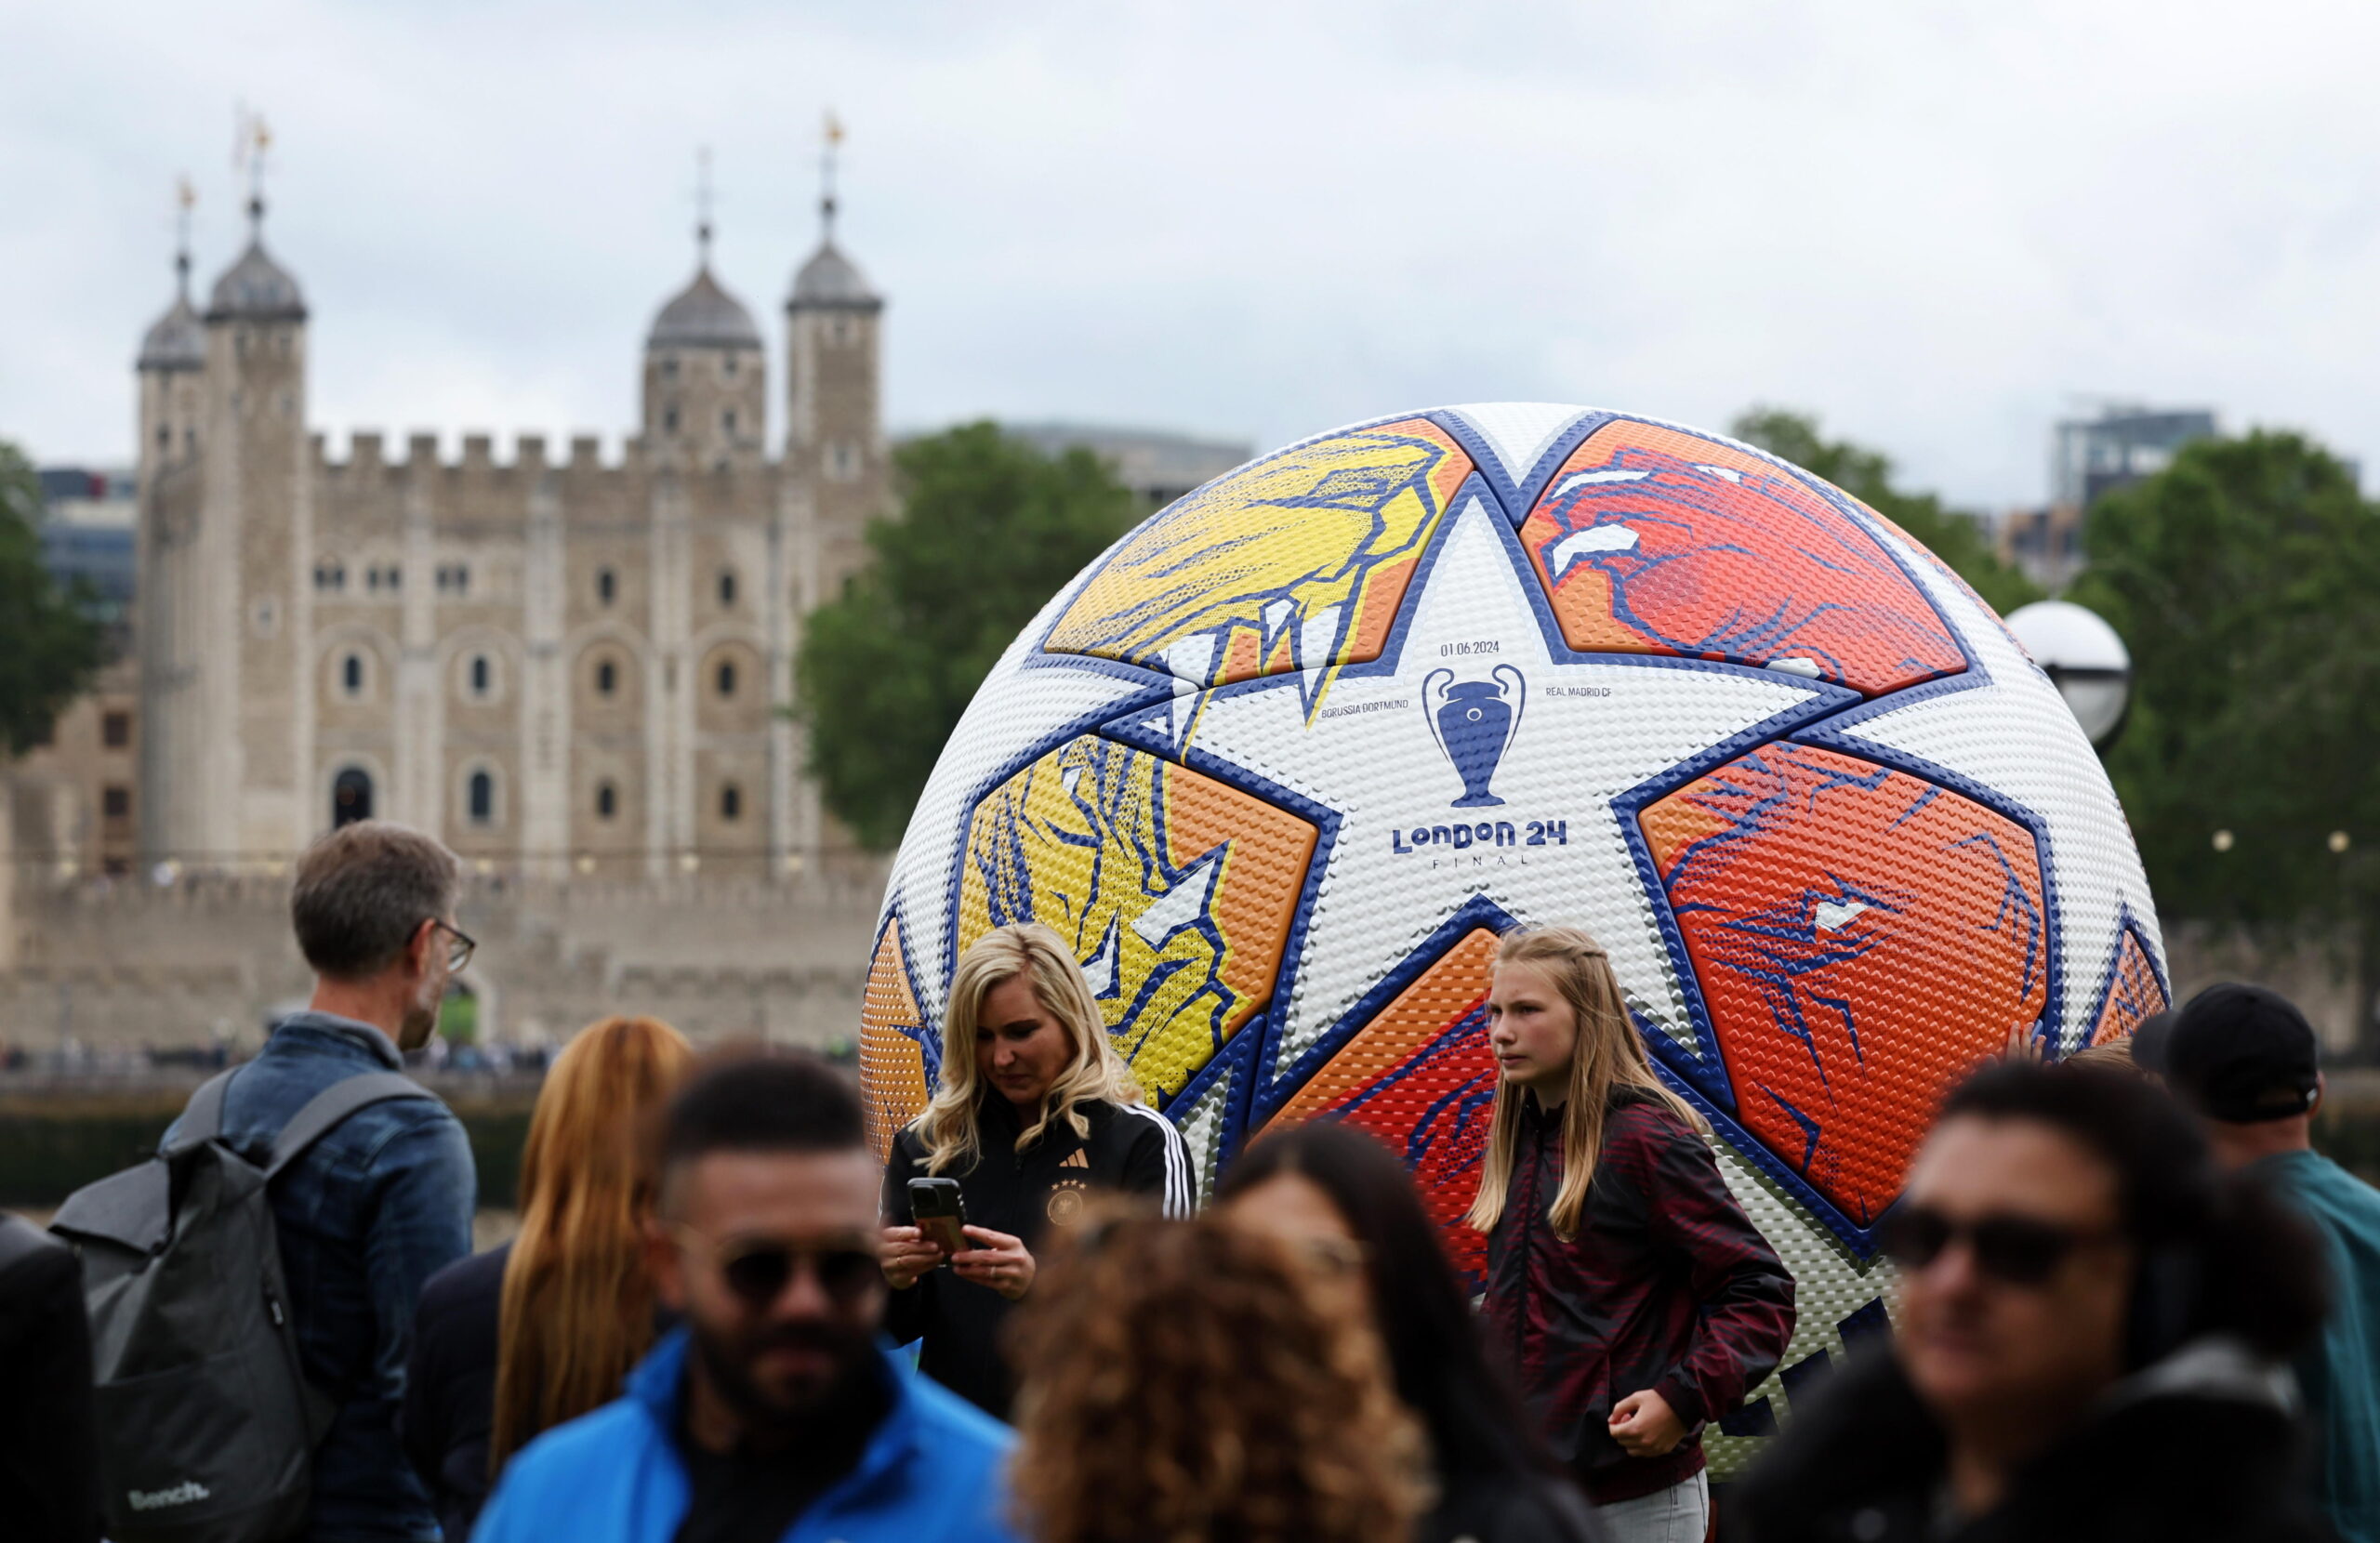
column 120, row 966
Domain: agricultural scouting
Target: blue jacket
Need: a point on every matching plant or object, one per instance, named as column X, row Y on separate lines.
column 369, row 1213
column 934, row 1470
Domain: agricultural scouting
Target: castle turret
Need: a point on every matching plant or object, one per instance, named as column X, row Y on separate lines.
column 245, row 788
column 705, row 381
column 172, row 375
column 834, row 435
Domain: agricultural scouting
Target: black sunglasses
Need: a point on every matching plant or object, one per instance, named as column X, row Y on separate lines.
column 2013, row 1250
column 758, row 1269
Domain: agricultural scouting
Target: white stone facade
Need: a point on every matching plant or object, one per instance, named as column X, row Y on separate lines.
column 566, row 668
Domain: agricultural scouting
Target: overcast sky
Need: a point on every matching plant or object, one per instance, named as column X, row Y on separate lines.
column 1941, row 226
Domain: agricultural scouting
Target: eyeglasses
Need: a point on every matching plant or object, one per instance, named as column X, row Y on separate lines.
column 2013, row 1250
column 758, row 1269
column 459, row 952
column 1336, row 1257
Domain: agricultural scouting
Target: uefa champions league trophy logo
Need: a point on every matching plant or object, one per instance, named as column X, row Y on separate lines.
column 1474, row 722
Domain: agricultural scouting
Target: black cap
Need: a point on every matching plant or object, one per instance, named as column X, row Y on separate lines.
column 2149, row 1042
column 2242, row 1054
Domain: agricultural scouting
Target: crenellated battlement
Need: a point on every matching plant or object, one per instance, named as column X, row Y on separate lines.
column 367, row 455
column 371, row 493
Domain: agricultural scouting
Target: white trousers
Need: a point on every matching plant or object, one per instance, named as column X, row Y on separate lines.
column 1678, row 1514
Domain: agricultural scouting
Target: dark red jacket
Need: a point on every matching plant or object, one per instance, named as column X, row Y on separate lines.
column 1667, row 1285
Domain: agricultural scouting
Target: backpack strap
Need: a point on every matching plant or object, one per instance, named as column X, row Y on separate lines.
column 203, row 1116
column 335, row 1103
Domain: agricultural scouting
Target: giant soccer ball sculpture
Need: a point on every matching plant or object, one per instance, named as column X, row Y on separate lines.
column 1285, row 761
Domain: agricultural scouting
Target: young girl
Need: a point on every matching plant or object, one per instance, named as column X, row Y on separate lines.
column 1634, row 1294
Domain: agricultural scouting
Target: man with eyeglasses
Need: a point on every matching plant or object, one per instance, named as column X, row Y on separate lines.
column 384, row 1200
column 772, row 1412
column 2088, row 1329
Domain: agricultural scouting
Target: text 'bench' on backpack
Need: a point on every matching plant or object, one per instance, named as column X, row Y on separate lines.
column 208, row 1426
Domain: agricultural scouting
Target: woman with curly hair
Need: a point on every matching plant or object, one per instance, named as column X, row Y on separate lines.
column 1184, row 1383
column 1036, row 1114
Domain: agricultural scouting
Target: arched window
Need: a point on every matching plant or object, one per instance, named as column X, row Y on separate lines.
column 350, row 798
column 727, row 677
column 607, row 801
column 727, row 423
column 607, row 586
column 669, row 420
column 483, row 676
column 607, row 678
column 730, row 802
column 351, row 674
column 482, row 799
column 727, row 588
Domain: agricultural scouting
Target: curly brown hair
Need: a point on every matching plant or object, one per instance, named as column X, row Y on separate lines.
column 1180, row 1385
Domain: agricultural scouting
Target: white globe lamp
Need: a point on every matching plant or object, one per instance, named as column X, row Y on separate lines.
column 2083, row 658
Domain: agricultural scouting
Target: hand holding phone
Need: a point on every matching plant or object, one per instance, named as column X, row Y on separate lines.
column 940, row 1213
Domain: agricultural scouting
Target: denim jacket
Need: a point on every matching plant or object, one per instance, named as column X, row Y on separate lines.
column 370, row 1212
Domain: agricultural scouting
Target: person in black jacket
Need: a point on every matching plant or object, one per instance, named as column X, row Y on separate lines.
column 509, row 1342
column 1638, row 1300
column 49, row 1455
column 1343, row 1203
column 1036, row 1111
column 2088, row 1342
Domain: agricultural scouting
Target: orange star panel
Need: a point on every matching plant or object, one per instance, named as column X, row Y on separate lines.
column 892, row 1064
column 1861, row 937
column 1650, row 540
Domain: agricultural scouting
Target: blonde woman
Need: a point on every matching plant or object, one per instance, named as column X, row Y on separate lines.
column 1634, row 1294
column 541, row 1330
column 1035, row 1112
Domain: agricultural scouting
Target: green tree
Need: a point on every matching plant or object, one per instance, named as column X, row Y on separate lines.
column 49, row 644
column 1867, row 475
column 2241, row 578
column 989, row 528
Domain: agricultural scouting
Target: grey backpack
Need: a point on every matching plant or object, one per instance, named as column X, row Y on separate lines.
column 208, row 1426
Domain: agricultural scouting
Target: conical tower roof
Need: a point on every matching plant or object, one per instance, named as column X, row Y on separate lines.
column 830, row 279
column 255, row 288
column 704, row 315
column 177, row 341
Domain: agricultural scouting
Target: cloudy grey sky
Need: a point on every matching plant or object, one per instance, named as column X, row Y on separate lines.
column 1937, row 224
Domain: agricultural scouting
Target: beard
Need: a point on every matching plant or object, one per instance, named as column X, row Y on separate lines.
column 850, row 1386
column 420, row 1020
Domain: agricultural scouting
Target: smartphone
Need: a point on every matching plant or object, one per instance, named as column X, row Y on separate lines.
column 940, row 1212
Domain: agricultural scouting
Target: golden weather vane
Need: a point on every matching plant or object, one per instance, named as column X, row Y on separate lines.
column 251, row 141
column 185, row 199
column 834, row 140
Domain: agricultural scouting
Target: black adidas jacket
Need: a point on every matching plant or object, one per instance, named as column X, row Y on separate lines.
column 1131, row 1148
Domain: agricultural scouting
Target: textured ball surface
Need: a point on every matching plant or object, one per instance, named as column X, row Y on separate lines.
column 1285, row 761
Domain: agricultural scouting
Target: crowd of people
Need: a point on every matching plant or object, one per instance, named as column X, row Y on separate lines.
column 2131, row 1301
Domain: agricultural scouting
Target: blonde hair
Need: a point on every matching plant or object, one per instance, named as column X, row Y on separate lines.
column 576, row 1309
column 1609, row 1055
column 948, row 1128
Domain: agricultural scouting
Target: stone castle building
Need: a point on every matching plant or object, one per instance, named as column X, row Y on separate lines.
column 563, row 666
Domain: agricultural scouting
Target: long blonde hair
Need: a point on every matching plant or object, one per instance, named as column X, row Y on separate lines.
column 948, row 1126
column 1609, row 1055
column 576, row 1309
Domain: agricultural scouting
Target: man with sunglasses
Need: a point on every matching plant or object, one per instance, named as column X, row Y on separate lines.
column 2089, row 1320
column 772, row 1412
column 384, row 1200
